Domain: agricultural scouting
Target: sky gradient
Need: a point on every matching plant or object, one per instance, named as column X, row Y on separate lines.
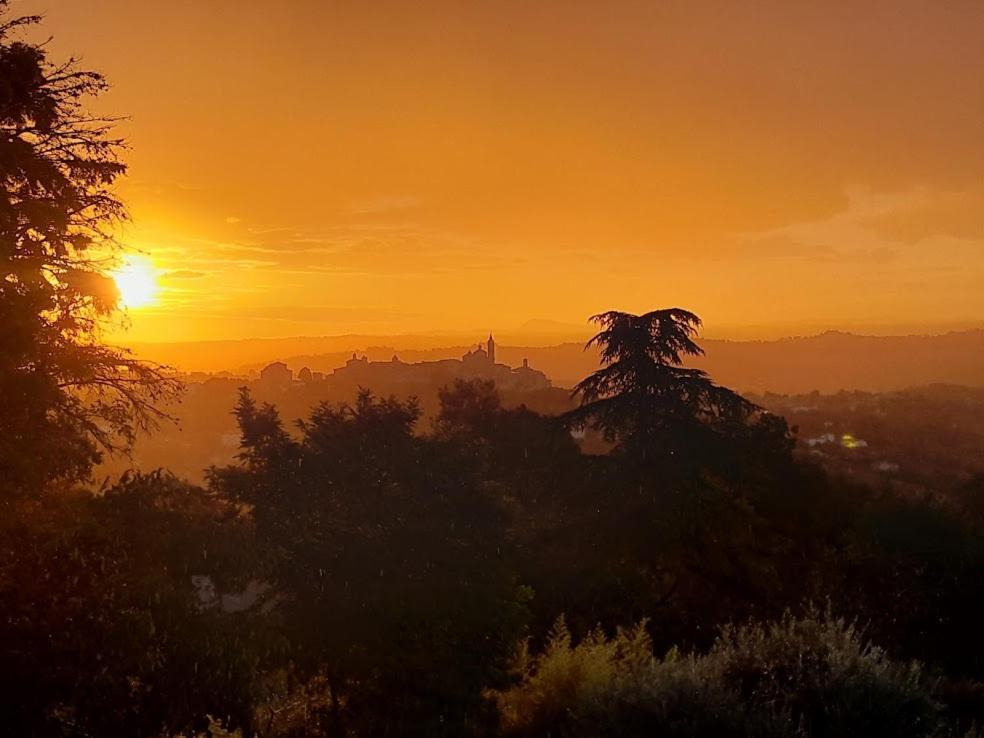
column 311, row 167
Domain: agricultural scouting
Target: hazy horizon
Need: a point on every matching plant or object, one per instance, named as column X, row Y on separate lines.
column 828, row 361
column 544, row 332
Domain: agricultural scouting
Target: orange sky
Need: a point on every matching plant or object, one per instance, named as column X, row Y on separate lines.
column 308, row 167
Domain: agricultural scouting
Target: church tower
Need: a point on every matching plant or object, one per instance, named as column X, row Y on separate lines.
column 491, row 349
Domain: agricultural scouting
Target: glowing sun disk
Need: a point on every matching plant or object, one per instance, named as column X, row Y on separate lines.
column 137, row 282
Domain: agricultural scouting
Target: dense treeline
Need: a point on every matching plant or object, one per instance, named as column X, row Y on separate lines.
column 360, row 575
column 363, row 579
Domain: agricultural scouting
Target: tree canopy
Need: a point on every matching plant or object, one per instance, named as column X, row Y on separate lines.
column 65, row 396
column 644, row 398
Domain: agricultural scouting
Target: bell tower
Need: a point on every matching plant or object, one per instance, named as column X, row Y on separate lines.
column 491, row 349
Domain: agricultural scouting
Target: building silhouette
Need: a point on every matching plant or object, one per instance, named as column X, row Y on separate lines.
column 276, row 375
column 478, row 363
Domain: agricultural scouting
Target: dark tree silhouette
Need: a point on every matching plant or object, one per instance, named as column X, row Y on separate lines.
column 643, row 398
column 467, row 407
column 388, row 557
column 65, row 397
column 97, row 597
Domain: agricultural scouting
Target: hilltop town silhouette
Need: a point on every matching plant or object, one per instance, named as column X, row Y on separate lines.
column 478, row 363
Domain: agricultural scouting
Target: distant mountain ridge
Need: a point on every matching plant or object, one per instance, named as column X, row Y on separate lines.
column 827, row 362
column 835, row 361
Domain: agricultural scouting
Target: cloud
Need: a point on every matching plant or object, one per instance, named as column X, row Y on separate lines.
column 932, row 213
column 844, row 237
column 182, row 274
column 779, row 246
column 359, row 248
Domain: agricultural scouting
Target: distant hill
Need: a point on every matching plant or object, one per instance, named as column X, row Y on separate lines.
column 238, row 354
column 565, row 363
column 834, row 361
column 231, row 355
column 828, row 362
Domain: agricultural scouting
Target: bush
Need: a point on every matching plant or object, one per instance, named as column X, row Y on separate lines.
column 812, row 676
column 820, row 672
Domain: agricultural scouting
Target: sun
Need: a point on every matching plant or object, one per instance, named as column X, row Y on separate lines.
column 136, row 279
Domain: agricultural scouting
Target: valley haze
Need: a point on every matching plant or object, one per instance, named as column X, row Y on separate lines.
column 827, row 362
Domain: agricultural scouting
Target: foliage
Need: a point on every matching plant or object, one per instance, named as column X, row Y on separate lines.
column 811, row 676
column 644, row 398
column 912, row 573
column 390, row 559
column 467, row 407
column 400, row 568
column 64, row 396
column 103, row 630
column 214, row 730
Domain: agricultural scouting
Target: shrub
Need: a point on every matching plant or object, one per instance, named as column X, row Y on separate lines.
column 820, row 671
column 812, row 676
